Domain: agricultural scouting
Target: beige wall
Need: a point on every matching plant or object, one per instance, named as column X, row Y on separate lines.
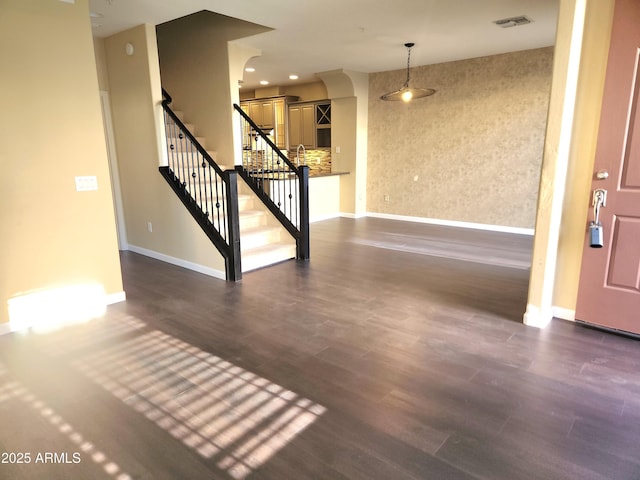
column 101, row 63
column 135, row 98
column 349, row 93
column 343, row 135
column 305, row 91
column 473, row 151
column 324, row 197
column 194, row 64
column 51, row 131
column 595, row 47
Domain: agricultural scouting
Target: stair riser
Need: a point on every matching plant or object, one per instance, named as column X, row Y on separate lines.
column 251, row 221
column 245, row 202
column 252, row 262
column 256, row 240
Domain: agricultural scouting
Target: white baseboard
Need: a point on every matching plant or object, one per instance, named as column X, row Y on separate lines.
column 352, row 215
column 534, row 317
column 5, row 328
column 564, row 314
column 453, row 223
column 320, row 218
column 116, row 298
column 196, row 267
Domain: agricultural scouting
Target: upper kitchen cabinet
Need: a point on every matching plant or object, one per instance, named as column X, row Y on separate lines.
column 270, row 114
column 261, row 112
column 301, row 125
column 323, row 125
column 310, row 124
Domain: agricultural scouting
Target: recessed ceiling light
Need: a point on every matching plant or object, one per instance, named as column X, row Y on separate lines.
column 293, row 77
column 264, row 82
column 249, row 69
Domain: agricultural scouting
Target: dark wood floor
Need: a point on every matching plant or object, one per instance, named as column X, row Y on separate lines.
column 397, row 353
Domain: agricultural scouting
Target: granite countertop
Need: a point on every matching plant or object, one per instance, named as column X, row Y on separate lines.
column 330, row 174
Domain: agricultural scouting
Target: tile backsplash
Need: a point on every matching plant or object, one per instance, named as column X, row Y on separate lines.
column 318, row 160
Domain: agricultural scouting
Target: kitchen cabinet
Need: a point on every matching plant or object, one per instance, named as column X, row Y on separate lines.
column 310, row 124
column 261, row 112
column 270, row 114
column 302, row 126
column 280, row 122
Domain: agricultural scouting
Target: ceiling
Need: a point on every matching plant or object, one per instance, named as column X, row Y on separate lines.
column 312, row 36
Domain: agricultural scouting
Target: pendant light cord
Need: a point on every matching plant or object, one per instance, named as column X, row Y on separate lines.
column 407, row 93
column 406, row 84
column 408, row 45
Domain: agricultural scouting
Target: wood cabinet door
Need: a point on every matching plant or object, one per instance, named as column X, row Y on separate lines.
column 295, row 126
column 280, row 127
column 255, row 112
column 267, row 114
column 308, row 127
column 302, row 126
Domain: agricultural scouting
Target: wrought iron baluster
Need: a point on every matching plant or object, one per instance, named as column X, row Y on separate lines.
column 190, row 173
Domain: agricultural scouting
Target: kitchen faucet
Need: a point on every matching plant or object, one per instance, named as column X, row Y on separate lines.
column 304, row 153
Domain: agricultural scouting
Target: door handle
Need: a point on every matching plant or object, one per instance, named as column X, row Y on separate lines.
column 596, row 235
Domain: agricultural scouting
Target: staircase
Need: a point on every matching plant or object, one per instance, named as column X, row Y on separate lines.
column 263, row 240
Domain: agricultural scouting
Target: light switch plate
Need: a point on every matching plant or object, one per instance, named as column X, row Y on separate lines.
column 86, row 183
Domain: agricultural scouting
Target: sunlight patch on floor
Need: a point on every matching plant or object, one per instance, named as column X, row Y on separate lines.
column 11, row 389
column 225, row 413
column 449, row 249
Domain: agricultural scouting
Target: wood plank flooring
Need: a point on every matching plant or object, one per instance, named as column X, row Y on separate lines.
column 396, row 353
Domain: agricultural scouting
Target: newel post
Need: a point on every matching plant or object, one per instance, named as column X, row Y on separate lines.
column 233, row 263
column 303, row 187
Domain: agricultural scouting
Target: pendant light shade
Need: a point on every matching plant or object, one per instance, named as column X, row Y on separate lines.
column 407, row 93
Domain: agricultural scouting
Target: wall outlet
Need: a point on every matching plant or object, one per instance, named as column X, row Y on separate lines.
column 386, row 198
column 86, row 183
column 150, row 227
column 338, row 149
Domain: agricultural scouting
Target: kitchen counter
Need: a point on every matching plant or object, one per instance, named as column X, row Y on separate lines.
column 330, row 174
column 324, row 193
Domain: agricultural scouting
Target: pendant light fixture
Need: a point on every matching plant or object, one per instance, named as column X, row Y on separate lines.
column 406, row 93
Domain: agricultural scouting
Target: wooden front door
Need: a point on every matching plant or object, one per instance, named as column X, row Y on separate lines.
column 609, row 291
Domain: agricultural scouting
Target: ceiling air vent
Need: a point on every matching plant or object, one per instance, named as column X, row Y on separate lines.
column 513, row 21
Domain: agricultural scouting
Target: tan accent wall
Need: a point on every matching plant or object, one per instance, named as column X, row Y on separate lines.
column 473, row 151
column 135, row 100
column 51, row 131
